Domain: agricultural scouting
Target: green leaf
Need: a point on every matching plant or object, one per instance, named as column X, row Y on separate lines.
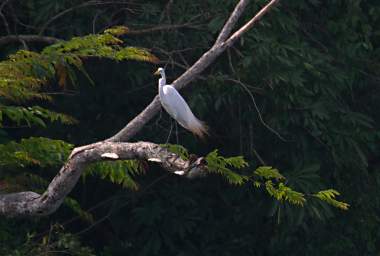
column 267, row 172
column 329, row 195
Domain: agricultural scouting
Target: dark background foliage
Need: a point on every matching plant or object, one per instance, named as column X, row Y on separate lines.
column 310, row 70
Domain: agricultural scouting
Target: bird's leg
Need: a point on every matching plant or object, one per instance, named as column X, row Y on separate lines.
column 159, row 117
column 170, row 132
column 176, row 132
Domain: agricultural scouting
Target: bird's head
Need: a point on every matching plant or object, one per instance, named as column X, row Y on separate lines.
column 159, row 71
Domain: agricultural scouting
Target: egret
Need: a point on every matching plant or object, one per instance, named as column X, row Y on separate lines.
column 177, row 107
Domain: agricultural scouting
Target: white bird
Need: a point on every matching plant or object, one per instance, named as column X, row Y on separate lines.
column 177, row 107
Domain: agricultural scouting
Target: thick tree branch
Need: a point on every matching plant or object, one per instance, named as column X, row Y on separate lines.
column 231, row 22
column 232, row 39
column 32, row 204
column 136, row 124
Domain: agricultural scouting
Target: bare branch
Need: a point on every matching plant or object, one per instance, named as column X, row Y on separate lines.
column 232, row 39
column 230, row 24
column 6, row 25
column 28, row 38
column 162, row 28
column 166, row 11
column 33, row 204
column 244, row 86
column 51, row 40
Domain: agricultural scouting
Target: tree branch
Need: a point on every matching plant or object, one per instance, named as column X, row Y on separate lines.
column 232, row 39
column 51, row 40
column 231, row 22
column 82, row 5
column 28, row 38
column 136, row 124
column 33, row 204
column 162, row 28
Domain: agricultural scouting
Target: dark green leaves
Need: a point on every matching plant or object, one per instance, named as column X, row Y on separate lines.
column 118, row 172
column 34, row 151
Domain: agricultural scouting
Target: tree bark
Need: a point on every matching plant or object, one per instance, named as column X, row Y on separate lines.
column 32, row 204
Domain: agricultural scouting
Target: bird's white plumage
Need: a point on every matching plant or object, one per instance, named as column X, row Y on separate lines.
column 177, row 107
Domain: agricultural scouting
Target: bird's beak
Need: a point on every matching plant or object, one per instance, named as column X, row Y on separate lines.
column 156, row 73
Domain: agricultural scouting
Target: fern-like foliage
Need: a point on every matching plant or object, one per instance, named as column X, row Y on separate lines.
column 102, row 45
column 117, row 30
column 33, row 151
column 328, row 196
column 23, row 77
column 30, row 116
column 267, row 177
column 55, row 242
column 177, row 149
column 284, row 193
column 24, row 74
column 268, row 172
column 221, row 165
column 38, row 152
column 118, row 172
column 17, row 157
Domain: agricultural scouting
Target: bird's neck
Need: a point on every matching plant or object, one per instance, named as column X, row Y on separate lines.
column 161, row 84
column 162, row 80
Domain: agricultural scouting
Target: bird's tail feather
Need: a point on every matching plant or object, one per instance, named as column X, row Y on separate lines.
column 199, row 128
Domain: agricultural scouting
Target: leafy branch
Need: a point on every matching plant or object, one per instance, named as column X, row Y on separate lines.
column 264, row 176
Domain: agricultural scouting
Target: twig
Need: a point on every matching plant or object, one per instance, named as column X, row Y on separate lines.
column 6, row 25
column 259, row 113
column 3, row 4
column 230, row 61
column 86, row 4
column 94, row 21
column 162, row 28
column 257, row 90
column 166, row 11
column 262, row 162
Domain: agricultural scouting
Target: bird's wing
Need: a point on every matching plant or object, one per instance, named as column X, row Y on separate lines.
column 176, row 106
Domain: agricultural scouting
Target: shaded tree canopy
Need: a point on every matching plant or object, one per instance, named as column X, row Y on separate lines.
column 297, row 92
